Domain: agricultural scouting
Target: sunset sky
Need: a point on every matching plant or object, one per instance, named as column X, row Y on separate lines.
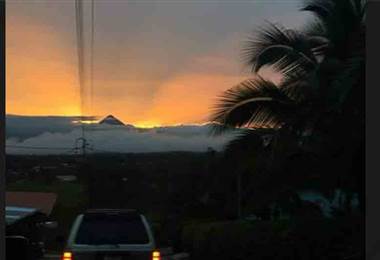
column 156, row 62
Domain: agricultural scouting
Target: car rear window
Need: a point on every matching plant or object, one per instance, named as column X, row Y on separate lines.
column 111, row 229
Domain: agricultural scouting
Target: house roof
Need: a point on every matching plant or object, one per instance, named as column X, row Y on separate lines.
column 12, row 214
column 43, row 201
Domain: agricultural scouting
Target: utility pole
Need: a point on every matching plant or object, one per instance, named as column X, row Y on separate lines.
column 83, row 145
column 2, row 129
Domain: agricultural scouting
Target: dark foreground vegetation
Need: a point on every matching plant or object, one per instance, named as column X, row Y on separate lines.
column 191, row 199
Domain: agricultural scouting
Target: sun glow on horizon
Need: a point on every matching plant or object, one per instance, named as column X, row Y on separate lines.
column 85, row 122
column 147, row 124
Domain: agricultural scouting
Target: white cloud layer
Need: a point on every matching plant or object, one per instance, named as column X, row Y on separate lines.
column 37, row 139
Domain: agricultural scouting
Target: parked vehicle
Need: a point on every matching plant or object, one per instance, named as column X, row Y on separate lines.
column 17, row 248
column 25, row 230
column 111, row 234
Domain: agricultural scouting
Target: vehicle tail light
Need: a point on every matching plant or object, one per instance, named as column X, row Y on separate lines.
column 67, row 256
column 156, row 255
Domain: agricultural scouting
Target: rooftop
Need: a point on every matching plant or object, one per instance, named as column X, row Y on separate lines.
column 12, row 214
column 42, row 201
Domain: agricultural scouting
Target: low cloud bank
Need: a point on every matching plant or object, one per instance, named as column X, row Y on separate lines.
column 59, row 137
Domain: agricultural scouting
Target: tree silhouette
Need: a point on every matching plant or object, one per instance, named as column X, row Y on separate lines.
column 319, row 102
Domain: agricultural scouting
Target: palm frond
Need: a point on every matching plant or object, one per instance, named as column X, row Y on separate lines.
column 321, row 8
column 289, row 65
column 314, row 27
column 319, row 46
column 255, row 103
column 299, row 89
column 273, row 44
column 273, row 54
column 218, row 129
column 344, row 82
column 246, row 142
column 340, row 18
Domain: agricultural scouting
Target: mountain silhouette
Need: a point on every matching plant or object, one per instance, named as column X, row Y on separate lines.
column 111, row 120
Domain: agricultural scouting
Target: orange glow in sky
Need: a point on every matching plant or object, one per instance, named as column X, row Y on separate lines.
column 163, row 72
column 41, row 76
column 42, row 80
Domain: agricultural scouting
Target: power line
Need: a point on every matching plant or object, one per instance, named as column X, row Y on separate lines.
column 81, row 59
column 92, row 55
column 80, row 50
column 92, row 61
column 82, row 71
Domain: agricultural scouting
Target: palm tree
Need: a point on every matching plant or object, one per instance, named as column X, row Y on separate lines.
column 322, row 90
column 321, row 66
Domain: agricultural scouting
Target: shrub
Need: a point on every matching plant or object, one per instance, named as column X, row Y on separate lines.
column 297, row 239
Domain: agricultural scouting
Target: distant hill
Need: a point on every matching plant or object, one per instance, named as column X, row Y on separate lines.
column 111, row 120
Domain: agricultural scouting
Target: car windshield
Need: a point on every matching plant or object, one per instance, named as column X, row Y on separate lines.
column 111, row 229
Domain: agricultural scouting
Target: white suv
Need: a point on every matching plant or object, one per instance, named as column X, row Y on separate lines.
column 105, row 234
